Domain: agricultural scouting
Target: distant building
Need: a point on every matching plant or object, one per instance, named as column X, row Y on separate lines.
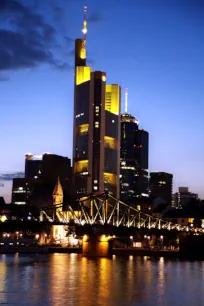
column 2, row 201
column 133, row 159
column 22, row 189
column 41, row 175
column 142, row 157
column 183, row 197
column 96, row 131
column 33, row 164
column 161, row 185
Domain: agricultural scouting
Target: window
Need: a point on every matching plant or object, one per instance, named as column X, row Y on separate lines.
column 95, row 182
column 96, row 124
column 95, row 188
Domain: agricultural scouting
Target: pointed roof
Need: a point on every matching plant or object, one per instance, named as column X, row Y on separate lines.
column 58, row 188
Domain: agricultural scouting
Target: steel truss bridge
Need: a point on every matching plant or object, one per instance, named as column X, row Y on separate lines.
column 105, row 209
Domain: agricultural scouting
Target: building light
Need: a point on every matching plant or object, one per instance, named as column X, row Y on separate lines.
column 95, row 188
column 96, row 124
column 3, row 218
column 113, row 121
column 95, row 182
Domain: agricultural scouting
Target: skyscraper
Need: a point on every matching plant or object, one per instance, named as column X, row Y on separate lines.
column 161, row 185
column 33, row 164
column 133, row 158
column 96, row 138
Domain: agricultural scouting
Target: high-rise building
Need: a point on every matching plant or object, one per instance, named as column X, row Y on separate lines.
column 133, row 158
column 96, row 138
column 183, row 197
column 161, row 185
column 41, row 173
column 33, row 163
column 142, row 158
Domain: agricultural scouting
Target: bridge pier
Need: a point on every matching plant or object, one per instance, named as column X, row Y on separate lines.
column 96, row 246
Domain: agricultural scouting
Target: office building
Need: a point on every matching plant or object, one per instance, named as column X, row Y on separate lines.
column 41, row 173
column 161, row 185
column 183, row 197
column 96, row 131
column 133, row 158
column 33, row 163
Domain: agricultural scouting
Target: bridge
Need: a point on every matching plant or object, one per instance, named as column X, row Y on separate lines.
column 105, row 209
column 102, row 217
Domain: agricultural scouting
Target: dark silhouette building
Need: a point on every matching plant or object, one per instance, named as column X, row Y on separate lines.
column 96, row 131
column 40, row 179
column 133, row 159
column 33, row 164
column 183, row 197
column 161, row 185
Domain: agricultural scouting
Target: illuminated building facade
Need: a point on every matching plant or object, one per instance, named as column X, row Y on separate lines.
column 161, row 185
column 21, row 190
column 133, row 159
column 96, row 138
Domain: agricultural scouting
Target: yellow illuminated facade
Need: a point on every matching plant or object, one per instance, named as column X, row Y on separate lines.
column 110, row 142
column 82, row 129
column 57, row 193
column 83, row 50
column 110, row 178
column 83, row 74
column 112, row 99
column 81, row 166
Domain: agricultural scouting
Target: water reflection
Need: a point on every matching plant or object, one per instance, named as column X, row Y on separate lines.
column 62, row 279
column 3, row 273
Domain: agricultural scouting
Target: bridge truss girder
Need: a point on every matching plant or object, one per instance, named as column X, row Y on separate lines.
column 107, row 209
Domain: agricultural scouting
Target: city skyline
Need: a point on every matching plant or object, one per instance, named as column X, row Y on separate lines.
column 170, row 74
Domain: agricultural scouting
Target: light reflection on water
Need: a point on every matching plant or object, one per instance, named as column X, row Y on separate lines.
column 62, row 279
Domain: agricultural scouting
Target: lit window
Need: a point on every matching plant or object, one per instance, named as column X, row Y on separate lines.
column 113, row 121
column 95, row 188
column 96, row 124
column 95, row 181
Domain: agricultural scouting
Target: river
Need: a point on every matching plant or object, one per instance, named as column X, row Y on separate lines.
column 70, row 279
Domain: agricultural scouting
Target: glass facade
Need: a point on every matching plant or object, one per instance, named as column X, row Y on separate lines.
column 96, row 139
column 133, row 159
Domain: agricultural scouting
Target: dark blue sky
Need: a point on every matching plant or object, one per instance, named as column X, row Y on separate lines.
column 154, row 48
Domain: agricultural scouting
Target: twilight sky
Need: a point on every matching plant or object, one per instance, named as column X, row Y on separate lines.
column 155, row 48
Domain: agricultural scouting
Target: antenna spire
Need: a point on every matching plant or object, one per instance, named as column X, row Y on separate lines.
column 84, row 31
column 126, row 100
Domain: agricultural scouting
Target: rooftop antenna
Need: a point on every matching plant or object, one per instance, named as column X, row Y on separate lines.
column 84, row 31
column 126, row 100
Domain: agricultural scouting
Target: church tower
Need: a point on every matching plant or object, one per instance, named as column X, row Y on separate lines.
column 58, row 194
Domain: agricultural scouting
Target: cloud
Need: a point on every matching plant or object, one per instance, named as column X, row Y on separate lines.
column 27, row 39
column 11, row 176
